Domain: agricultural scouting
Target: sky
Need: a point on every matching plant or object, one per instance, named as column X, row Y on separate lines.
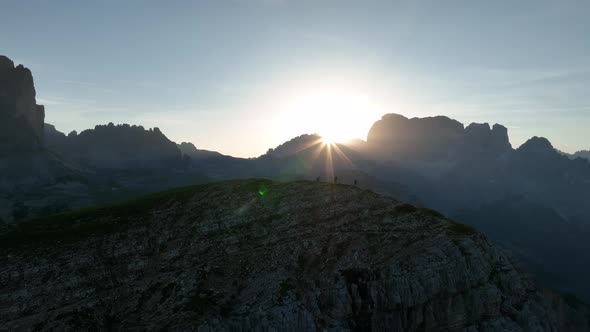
column 242, row 76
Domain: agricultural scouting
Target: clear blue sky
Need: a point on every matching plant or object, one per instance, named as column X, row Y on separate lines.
column 217, row 73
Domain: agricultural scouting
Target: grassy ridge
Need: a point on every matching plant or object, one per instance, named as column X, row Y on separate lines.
column 74, row 225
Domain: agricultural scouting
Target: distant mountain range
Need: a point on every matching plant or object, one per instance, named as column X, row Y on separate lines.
column 584, row 154
column 532, row 199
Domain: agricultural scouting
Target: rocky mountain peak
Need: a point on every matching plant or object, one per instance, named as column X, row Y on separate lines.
column 294, row 146
column 187, row 147
column 21, row 119
column 538, row 146
column 478, row 128
column 5, row 63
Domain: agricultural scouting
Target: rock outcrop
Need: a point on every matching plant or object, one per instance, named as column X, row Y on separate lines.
column 479, row 138
column 257, row 255
column 21, row 119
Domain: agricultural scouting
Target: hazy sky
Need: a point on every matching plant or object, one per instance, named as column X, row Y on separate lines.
column 226, row 75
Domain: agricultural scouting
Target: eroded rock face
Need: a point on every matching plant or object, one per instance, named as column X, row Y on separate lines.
column 21, row 119
column 418, row 138
column 257, row 255
column 435, row 139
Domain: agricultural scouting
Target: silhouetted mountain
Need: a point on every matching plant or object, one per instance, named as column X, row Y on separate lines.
column 196, row 154
column 117, row 147
column 434, row 139
column 454, row 168
column 397, row 137
column 537, row 147
column 33, row 181
column 21, row 119
column 294, row 146
column 585, row 154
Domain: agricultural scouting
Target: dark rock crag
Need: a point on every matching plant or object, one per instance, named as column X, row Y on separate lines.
column 257, row 255
column 21, row 119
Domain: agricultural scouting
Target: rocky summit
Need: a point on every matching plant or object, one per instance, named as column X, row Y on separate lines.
column 21, row 119
column 259, row 255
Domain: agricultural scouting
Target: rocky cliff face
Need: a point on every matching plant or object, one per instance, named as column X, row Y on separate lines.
column 257, row 255
column 21, row 119
column 395, row 136
column 435, row 139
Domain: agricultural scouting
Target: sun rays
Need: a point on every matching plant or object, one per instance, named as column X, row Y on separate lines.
column 324, row 154
column 339, row 116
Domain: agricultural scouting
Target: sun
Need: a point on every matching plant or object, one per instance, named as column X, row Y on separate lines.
column 329, row 140
column 337, row 117
column 329, row 136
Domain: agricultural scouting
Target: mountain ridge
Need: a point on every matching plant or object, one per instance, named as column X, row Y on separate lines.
column 335, row 257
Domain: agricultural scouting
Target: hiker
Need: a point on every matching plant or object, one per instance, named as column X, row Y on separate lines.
column 355, row 182
column 335, row 179
column 317, row 179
